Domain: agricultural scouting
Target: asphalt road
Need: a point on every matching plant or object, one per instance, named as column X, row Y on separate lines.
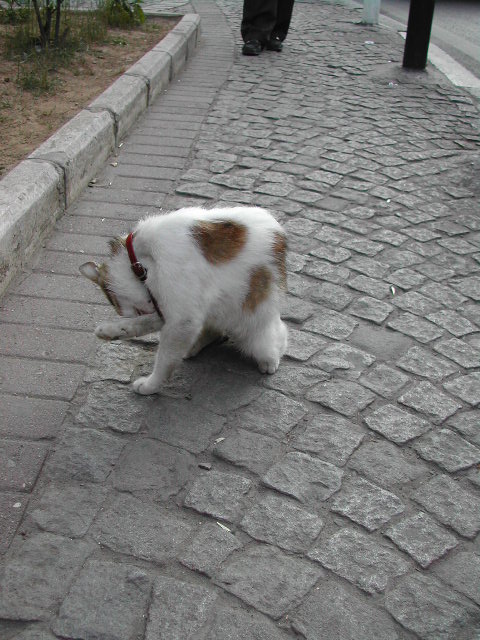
column 455, row 28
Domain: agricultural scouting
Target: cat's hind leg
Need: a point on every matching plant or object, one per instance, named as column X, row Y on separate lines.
column 266, row 343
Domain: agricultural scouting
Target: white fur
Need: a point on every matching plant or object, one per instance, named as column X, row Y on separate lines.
column 199, row 300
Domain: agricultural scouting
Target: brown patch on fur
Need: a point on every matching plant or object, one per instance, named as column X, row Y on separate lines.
column 259, row 288
column 104, row 285
column 116, row 244
column 280, row 255
column 219, row 241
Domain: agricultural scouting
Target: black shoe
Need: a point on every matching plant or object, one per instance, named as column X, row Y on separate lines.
column 275, row 44
column 252, row 48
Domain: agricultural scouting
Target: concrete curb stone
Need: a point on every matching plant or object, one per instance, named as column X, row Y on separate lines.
column 36, row 193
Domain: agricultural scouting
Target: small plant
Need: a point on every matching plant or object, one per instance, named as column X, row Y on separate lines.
column 14, row 13
column 124, row 13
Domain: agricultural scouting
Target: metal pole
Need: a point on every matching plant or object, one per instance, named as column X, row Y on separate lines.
column 418, row 34
column 371, row 9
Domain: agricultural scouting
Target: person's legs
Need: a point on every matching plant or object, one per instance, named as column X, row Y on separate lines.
column 282, row 21
column 259, row 17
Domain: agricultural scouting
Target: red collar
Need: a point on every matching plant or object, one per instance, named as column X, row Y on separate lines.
column 137, row 267
column 139, row 270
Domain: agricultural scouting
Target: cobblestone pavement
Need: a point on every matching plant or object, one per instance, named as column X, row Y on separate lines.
column 337, row 499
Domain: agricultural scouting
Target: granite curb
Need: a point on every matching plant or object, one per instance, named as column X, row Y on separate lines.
column 36, row 193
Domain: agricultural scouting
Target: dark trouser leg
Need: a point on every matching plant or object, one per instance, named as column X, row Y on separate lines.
column 258, row 21
column 284, row 15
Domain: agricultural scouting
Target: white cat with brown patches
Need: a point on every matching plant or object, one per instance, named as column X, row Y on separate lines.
column 198, row 274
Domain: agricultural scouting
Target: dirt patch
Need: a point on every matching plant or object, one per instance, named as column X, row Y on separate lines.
column 27, row 120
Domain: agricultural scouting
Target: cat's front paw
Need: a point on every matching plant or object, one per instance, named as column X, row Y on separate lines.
column 107, row 331
column 268, row 366
column 145, row 386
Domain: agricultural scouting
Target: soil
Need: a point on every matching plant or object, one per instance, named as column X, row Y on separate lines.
column 28, row 119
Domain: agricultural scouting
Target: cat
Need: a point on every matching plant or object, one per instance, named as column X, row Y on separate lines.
column 198, row 274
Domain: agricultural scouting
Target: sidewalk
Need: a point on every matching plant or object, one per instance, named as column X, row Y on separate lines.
column 339, row 498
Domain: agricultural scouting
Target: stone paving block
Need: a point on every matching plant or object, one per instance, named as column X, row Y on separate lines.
column 384, row 380
column 326, row 271
column 273, row 414
column 360, row 559
column 268, row 579
column 330, row 437
column 371, row 286
column 35, row 632
column 411, row 325
column 423, row 363
column 84, row 455
column 430, row 609
column 224, row 393
column 56, row 380
column 141, row 529
column 446, row 294
column 348, row 398
column 303, row 345
column 426, row 398
column 178, row 609
column 467, row 423
column 252, row 451
column 334, row 612
column 238, row 624
column 452, row 322
column 149, row 465
column 406, row 278
column 386, row 464
column 457, row 245
column 307, row 479
column 31, row 418
column 279, row 521
column 295, row 380
column 20, row 464
column 365, row 503
column 462, row 572
column 367, row 266
column 331, row 295
column 451, row 504
column 416, row 303
column 371, row 309
column 210, row 547
column 396, row 424
column 107, row 600
column 97, row 411
column 363, row 246
column 434, row 271
column 332, row 254
column 331, row 324
column 115, row 361
column 343, row 356
column 218, row 494
column 38, row 573
column 467, row 388
column 459, row 351
column 422, row 538
column 469, row 286
column 181, row 424
column 296, row 310
column 69, row 510
column 45, row 342
column 400, row 258
column 447, row 449
column 12, row 508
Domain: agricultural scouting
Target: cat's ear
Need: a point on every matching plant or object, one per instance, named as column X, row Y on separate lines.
column 90, row 271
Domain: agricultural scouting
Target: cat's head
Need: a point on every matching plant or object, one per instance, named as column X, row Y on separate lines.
column 125, row 292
